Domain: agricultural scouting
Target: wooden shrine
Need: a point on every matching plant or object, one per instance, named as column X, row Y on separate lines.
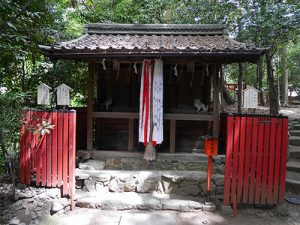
column 192, row 54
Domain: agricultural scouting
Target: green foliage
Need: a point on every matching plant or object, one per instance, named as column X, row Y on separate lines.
column 11, row 118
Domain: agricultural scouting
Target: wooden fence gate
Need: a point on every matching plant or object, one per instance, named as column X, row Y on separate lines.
column 48, row 154
column 256, row 149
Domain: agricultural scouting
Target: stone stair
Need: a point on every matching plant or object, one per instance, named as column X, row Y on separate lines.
column 293, row 165
column 122, row 181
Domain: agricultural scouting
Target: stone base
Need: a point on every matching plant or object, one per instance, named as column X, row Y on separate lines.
column 117, row 160
column 192, row 183
column 136, row 201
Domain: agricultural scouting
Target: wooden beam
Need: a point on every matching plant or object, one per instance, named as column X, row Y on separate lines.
column 240, row 86
column 169, row 116
column 89, row 132
column 130, row 134
column 172, row 135
column 216, row 81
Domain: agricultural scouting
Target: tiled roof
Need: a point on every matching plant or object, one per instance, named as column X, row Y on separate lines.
column 152, row 39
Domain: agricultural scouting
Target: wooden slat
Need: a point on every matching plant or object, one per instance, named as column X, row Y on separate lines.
column 130, row 134
column 49, row 150
column 247, row 159
column 54, row 149
column 241, row 158
column 60, row 125
column 72, row 147
column 229, row 147
column 43, row 153
column 38, row 154
column 271, row 161
column 235, row 155
column 277, row 160
column 172, row 135
column 284, row 146
column 265, row 166
column 258, row 175
column 254, row 152
column 65, row 151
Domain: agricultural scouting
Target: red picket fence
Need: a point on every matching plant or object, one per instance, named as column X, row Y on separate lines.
column 256, row 149
column 50, row 158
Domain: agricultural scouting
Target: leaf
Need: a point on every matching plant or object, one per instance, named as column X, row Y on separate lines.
column 11, row 25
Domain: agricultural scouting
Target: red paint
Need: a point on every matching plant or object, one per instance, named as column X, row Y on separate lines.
column 65, row 151
column 54, row 149
column 247, row 159
column 253, row 159
column 60, row 127
column 72, row 148
column 271, row 161
column 241, row 158
column 229, row 147
column 255, row 167
column 235, row 155
column 259, row 162
column 44, row 154
column 51, row 156
column 284, row 146
column 48, row 151
column 266, row 148
column 277, row 160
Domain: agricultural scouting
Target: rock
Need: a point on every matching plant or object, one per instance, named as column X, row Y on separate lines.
column 169, row 187
column 189, row 188
column 14, row 221
column 92, row 165
column 147, row 182
column 90, row 185
column 219, row 181
column 217, row 160
column 21, row 186
column 116, row 185
column 226, row 209
column 104, row 178
column 219, row 190
column 130, row 184
column 209, row 207
column 282, row 211
column 101, row 188
column 56, row 207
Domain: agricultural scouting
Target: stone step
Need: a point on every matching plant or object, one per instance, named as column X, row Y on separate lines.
column 110, row 160
column 191, row 183
column 293, row 140
column 293, row 182
column 293, row 165
column 295, row 133
column 296, row 127
column 138, row 201
column 294, row 152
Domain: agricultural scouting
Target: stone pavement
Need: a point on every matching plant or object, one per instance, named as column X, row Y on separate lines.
column 246, row 216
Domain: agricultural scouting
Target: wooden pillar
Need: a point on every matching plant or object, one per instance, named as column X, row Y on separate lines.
column 172, row 135
column 89, row 126
column 216, row 81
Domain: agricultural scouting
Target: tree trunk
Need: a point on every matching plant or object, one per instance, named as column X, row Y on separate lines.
column 285, row 75
column 240, row 80
column 260, row 82
column 273, row 97
column 222, row 84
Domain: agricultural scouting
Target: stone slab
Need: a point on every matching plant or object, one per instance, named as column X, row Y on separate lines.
column 131, row 201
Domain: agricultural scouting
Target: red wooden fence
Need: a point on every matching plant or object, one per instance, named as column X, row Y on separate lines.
column 50, row 158
column 256, row 149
